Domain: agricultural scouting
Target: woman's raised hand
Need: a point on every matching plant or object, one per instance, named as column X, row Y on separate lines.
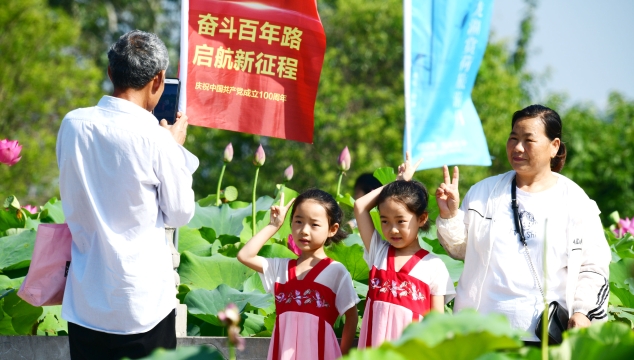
column 278, row 213
column 406, row 170
column 447, row 195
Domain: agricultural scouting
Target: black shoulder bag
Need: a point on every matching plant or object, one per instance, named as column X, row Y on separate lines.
column 557, row 314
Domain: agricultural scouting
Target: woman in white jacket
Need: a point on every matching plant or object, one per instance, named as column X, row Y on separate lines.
column 497, row 275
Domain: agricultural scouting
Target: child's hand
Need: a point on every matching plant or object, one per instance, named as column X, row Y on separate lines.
column 406, row 170
column 278, row 213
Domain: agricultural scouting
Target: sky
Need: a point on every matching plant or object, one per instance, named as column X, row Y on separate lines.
column 585, row 46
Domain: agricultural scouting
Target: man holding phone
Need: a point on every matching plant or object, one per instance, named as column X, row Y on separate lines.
column 122, row 179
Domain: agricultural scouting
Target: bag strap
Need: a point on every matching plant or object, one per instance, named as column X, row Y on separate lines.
column 520, row 230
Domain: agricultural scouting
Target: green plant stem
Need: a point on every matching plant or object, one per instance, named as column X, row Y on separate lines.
column 339, row 184
column 545, row 289
column 232, row 351
column 255, row 184
column 222, row 173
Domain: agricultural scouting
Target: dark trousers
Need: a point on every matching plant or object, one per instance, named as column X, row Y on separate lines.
column 95, row 345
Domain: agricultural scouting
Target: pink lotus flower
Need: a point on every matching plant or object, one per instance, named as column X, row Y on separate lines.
column 259, row 157
column 30, row 208
column 10, row 152
column 624, row 226
column 293, row 247
column 344, row 160
column 288, row 173
column 228, row 155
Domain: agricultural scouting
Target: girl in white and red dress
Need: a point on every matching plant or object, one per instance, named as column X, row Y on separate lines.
column 406, row 281
column 312, row 291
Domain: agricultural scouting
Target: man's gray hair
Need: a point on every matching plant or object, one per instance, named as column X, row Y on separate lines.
column 136, row 58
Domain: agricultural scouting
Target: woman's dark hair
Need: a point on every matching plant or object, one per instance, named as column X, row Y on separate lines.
column 412, row 194
column 333, row 211
column 553, row 126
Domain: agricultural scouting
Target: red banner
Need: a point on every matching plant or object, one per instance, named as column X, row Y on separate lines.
column 252, row 67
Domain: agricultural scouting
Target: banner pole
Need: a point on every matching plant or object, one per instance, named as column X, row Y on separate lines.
column 407, row 64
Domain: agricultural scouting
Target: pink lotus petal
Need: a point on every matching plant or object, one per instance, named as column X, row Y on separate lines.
column 30, row 208
column 293, row 247
column 10, row 152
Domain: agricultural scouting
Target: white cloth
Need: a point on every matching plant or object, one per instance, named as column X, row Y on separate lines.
column 515, row 293
column 471, row 236
column 430, row 269
column 335, row 276
column 122, row 178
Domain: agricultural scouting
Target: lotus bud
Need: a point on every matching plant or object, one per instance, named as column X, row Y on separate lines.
column 230, row 315
column 344, row 160
column 10, row 152
column 258, row 159
column 30, row 208
column 288, row 173
column 228, row 156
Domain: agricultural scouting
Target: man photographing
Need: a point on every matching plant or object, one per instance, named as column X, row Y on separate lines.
column 122, row 179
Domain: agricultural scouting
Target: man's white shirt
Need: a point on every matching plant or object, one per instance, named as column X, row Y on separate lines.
column 122, row 179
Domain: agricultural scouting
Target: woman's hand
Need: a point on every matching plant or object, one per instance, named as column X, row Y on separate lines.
column 578, row 320
column 406, row 170
column 278, row 213
column 447, row 195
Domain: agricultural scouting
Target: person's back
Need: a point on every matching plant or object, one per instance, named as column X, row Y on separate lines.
column 122, row 179
column 112, row 166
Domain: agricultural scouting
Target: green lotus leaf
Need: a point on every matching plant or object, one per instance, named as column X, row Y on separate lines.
column 605, row 341
column 11, row 219
column 211, row 271
column 198, row 352
column 189, row 238
column 51, row 322
column 466, row 335
column 226, row 219
column 55, row 213
column 16, row 250
column 385, row 175
column 252, row 324
column 352, row 258
column 254, row 284
column 205, row 304
column 23, row 315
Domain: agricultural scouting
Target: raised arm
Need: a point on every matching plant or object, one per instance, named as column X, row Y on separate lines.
column 364, row 204
column 248, row 255
column 362, row 207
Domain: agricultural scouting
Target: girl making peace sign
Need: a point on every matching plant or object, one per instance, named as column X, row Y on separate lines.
column 313, row 290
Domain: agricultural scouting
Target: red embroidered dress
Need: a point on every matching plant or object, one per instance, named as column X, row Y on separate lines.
column 307, row 309
column 396, row 298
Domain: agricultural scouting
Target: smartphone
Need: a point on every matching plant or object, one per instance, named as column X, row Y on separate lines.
column 168, row 103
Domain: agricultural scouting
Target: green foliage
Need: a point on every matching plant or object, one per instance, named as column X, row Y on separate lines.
column 352, row 258
column 201, row 352
column 209, row 272
column 205, row 304
column 43, row 77
column 16, row 250
column 466, row 335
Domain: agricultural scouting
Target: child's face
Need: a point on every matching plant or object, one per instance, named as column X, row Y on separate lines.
column 400, row 226
column 310, row 226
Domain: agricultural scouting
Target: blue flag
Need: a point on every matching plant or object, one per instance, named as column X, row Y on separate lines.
column 445, row 41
